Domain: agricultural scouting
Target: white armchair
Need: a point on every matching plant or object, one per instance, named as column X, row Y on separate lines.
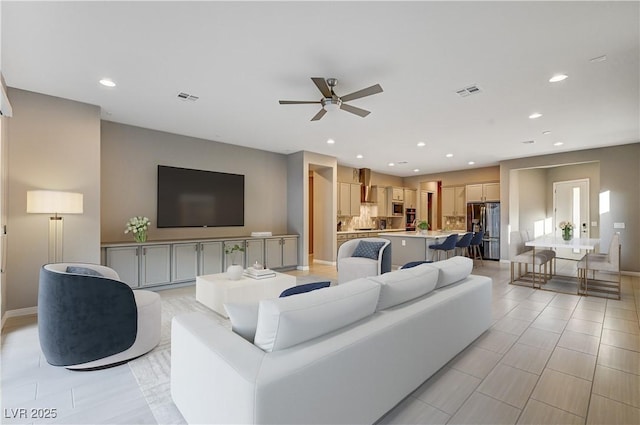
column 352, row 267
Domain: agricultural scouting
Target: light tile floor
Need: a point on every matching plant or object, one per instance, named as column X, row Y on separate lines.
column 548, row 359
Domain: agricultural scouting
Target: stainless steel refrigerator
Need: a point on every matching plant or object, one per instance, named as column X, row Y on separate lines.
column 486, row 216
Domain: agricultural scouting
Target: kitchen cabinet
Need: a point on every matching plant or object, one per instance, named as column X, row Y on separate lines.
column 281, row 253
column 485, row 192
column 395, row 194
column 410, row 196
column 453, row 201
column 348, row 199
column 379, row 197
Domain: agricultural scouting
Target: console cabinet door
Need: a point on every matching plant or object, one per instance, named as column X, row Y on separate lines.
column 125, row 261
column 156, row 265
column 211, row 254
column 273, row 253
column 289, row 252
column 254, row 251
column 184, row 266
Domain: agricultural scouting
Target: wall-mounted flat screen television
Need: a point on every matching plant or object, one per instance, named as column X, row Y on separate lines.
column 198, row 198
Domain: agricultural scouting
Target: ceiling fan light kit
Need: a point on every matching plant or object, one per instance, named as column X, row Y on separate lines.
column 331, row 102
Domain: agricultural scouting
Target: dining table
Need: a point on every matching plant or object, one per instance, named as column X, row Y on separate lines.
column 556, row 242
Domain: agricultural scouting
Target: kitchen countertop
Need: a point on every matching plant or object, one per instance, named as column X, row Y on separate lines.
column 346, row 232
column 431, row 234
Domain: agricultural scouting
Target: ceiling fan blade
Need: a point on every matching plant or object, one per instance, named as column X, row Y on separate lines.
column 297, row 102
column 321, row 83
column 319, row 115
column 358, row 111
column 362, row 93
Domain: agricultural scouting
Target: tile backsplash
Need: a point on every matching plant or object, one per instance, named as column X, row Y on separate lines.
column 454, row 223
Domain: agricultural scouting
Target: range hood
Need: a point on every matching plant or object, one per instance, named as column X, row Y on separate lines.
column 365, row 188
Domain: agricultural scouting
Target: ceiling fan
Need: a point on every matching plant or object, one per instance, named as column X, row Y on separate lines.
column 332, row 101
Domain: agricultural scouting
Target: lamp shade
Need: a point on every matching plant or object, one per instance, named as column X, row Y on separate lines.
column 54, row 202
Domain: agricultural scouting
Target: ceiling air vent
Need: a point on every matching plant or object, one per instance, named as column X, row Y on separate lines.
column 186, row 96
column 468, row 91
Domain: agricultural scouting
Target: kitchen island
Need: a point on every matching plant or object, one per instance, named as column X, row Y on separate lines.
column 414, row 246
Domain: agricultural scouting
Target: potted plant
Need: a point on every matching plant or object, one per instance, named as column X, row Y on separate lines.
column 234, row 270
column 567, row 230
column 423, row 226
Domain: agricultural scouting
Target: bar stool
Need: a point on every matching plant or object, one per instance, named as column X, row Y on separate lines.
column 464, row 243
column 475, row 246
column 449, row 244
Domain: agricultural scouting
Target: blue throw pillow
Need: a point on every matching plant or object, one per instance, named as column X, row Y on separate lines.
column 368, row 249
column 307, row 287
column 414, row 263
column 83, row 270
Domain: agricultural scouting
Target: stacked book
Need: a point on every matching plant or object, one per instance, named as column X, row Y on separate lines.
column 259, row 273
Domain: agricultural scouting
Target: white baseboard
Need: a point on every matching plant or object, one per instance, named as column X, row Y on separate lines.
column 624, row 273
column 28, row 311
column 327, row 263
column 302, row 268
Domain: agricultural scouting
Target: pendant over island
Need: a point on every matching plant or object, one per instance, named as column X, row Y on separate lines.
column 414, row 246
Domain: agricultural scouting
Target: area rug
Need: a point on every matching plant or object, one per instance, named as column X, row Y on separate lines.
column 153, row 370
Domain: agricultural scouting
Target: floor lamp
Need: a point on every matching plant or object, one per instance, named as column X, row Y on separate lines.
column 54, row 202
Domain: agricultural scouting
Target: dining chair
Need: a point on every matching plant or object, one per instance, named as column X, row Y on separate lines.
column 608, row 263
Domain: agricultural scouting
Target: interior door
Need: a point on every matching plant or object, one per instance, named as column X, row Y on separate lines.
column 571, row 203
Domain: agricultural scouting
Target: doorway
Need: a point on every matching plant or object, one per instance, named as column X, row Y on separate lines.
column 571, row 204
column 427, row 208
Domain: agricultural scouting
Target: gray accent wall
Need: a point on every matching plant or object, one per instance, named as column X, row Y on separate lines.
column 619, row 174
column 130, row 157
column 54, row 144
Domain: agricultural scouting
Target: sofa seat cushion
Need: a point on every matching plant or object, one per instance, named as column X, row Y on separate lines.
column 452, row 270
column 285, row 322
column 404, row 285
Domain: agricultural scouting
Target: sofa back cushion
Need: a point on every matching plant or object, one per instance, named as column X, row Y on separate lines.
column 284, row 322
column 453, row 270
column 404, row 285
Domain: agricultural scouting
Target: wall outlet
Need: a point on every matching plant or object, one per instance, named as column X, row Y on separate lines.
column 404, row 243
column 618, row 225
column 594, row 224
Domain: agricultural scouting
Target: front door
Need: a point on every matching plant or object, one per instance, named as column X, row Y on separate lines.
column 571, row 204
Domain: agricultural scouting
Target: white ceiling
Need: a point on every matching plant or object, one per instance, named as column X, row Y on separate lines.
column 240, row 58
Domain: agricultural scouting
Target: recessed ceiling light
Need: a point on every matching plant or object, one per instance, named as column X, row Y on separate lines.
column 359, row 156
column 331, row 141
column 471, row 162
column 535, row 115
column 558, row 144
column 107, row 82
column 415, row 170
column 449, row 155
column 421, row 144
column 546, row 133
column 558, row 77
column 391, row 164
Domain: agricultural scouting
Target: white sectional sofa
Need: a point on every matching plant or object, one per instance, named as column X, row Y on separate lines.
column 346, row 354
